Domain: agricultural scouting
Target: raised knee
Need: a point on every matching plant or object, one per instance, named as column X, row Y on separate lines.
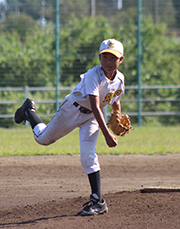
column 43, row 143
column 42, row 140
column 40, row 136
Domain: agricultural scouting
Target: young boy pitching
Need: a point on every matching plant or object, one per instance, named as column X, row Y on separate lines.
column 99, row 86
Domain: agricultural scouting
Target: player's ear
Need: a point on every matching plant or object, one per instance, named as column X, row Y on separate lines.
column 121, row 59
column 99, row 57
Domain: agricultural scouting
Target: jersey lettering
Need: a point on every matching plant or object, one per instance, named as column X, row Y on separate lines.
column 109, row 96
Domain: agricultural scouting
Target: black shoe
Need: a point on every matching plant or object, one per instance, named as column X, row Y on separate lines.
column 94, row 207
column 20, row 115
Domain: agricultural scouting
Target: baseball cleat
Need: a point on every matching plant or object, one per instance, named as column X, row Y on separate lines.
column 20, row 115
column 94, row 207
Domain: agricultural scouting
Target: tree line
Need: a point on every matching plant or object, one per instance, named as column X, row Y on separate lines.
column 80, row 8
column 27, row 55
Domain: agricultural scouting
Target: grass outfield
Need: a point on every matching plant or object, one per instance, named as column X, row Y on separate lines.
column 144, row 140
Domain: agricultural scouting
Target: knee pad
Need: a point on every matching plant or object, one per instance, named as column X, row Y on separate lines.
column 40, row 135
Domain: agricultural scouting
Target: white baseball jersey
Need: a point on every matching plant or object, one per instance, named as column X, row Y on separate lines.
column 94, row 82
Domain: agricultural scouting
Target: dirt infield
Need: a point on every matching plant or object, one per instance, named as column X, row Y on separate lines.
column 47, row 192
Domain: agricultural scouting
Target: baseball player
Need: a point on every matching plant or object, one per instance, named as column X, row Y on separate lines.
column 99, row 86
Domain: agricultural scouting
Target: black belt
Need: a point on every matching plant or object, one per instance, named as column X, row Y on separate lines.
column 82, row 109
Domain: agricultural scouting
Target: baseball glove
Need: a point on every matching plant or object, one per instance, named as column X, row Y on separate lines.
column 119, row 126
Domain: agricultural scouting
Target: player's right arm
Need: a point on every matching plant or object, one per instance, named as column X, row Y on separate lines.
column 109, row 137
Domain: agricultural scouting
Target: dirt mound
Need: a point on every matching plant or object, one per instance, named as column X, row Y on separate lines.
column 126, row 210
column 48, row 191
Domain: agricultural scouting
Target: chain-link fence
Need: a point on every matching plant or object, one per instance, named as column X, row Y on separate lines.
column 28, row 49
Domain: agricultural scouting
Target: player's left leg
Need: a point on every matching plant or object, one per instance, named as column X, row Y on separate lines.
column 64, row 121
column 89, row 159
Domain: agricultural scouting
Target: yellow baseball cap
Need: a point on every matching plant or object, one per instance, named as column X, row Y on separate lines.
column 112, row 46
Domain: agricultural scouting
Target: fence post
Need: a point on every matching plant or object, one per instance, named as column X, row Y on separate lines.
column 57, row 52
column 139, row 62
column 26, row 89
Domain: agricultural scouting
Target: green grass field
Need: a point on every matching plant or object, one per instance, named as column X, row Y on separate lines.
column 144, row 140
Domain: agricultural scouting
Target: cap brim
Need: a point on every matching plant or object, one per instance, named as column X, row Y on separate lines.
column 114, row 52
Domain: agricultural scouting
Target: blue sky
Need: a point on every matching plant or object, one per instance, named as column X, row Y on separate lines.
column 2, row 1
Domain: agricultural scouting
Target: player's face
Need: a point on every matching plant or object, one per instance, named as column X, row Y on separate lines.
column 109, row 62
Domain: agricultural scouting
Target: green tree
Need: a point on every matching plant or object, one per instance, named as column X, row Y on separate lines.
column 176, row 4
column 20, row 23
column 30, row 63
column 160, row 67
column 80, row 44
column 160, row 55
